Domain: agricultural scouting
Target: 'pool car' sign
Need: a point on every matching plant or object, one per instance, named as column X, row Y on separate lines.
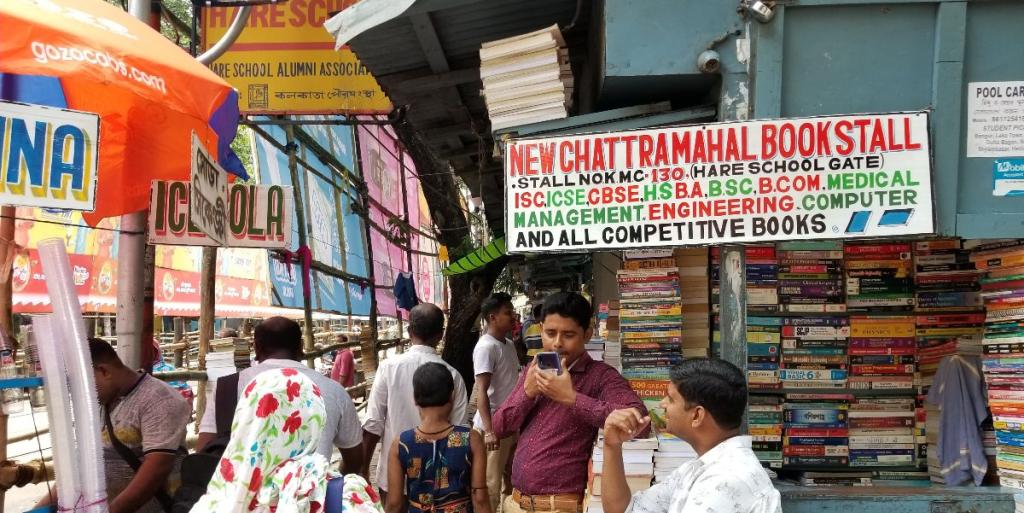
column 48, row 156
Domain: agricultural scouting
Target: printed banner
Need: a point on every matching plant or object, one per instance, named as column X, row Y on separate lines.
column 756, row 181
column 335, row 230
column 284, row 62
column 259, row 216
column 49, row 156
column 382, row 166
column 207, row 205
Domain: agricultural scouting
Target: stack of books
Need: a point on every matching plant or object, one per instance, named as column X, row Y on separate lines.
column 944, row 277
column 882, row 432
column 764, row 422
column 816, row 430
column 526, row 78
column 693, row 284
column 612, row 340
column 943, row 335
column 834, row 479
column 595, row 348
column 882, row 352
column 650, row 320
column 878, row 277
column 671, row 454
column 764, row 338
column 912, row 478
column 1003, row 347
column 810, row 277
column 814, row 352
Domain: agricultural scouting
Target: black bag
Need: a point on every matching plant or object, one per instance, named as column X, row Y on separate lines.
column 197, row 469
column 133, row 461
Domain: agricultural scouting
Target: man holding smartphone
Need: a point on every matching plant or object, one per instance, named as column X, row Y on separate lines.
column 558, row 410
column 704, row 407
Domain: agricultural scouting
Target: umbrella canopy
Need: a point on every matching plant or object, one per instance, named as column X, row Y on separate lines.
column 150, row 94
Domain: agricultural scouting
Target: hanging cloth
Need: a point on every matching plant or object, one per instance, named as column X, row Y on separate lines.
column 959, row 392
column 405, row 291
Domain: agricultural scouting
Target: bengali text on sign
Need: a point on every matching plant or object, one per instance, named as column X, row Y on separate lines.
column 826, row 177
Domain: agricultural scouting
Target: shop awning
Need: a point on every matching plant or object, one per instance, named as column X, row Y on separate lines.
column 478, row 258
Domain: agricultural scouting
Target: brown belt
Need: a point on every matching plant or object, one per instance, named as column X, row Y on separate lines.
column 557, row 502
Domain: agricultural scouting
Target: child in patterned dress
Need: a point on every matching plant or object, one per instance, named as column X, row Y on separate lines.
column 437, row 467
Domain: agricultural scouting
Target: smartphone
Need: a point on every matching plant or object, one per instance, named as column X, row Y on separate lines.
column 548, row 361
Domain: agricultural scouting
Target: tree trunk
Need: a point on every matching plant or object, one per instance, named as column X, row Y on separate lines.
column 467, row 290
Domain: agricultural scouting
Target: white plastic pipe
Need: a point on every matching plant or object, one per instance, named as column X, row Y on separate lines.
column 67, row 312
column 58, row 409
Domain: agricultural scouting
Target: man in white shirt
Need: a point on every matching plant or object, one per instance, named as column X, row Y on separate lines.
column 704, row 407
column 278, row 344
column 496, row 366
column 391, row 408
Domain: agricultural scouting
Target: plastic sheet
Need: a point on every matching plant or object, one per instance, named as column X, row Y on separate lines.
column 68, row 315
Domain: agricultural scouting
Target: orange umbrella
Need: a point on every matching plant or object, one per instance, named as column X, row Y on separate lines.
column 150, row 94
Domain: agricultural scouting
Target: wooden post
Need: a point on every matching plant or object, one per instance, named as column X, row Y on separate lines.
column 405, row 214
column 207, row 310
column 6, row 316
column 370, row 271
column 300, row 217
column 179, row 337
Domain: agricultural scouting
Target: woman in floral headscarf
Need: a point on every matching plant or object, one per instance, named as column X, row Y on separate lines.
column 270, row 463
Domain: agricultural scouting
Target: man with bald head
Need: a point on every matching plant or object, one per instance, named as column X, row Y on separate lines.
column 391, row 408
column 278, row 345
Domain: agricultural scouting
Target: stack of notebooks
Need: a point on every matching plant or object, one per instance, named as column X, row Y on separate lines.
column 670, row 455
column 814, row 352
column 944, row 277
column 526, row 78
column 879, row 277
column 637, row 460
column 764, row 338
column 816, row 430
column 764, row 422
column 650, row 321
column 810, row 277
column 882, row 352
column 693, row 284
column 882, row 432
column 1003, row 347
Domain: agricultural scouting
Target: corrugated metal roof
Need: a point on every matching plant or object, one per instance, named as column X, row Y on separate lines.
column 394, row 53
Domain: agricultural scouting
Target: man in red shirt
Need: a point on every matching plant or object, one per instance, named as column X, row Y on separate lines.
column 558, row 416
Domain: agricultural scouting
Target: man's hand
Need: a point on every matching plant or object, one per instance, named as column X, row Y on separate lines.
column 557, row 387
column 622, row 425
column 491, row 441
column 531, row 388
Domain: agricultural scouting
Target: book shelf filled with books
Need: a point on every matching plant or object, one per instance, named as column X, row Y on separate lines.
column 843, row 341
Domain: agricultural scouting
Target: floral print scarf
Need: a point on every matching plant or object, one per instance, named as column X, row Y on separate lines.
column 270, row 464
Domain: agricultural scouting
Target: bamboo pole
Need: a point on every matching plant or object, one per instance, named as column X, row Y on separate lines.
column 300, row 217
column 6, row 315
column 207, row 290
column 370, row 271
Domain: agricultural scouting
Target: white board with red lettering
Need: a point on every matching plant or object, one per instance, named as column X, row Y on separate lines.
column 754, row 181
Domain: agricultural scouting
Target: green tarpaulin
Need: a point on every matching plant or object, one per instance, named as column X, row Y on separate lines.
column 477, row 259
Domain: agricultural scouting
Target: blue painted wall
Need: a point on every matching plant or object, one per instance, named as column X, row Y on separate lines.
column 821, row 57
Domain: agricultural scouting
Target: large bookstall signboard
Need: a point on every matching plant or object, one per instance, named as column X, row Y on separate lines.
column 824, row 177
